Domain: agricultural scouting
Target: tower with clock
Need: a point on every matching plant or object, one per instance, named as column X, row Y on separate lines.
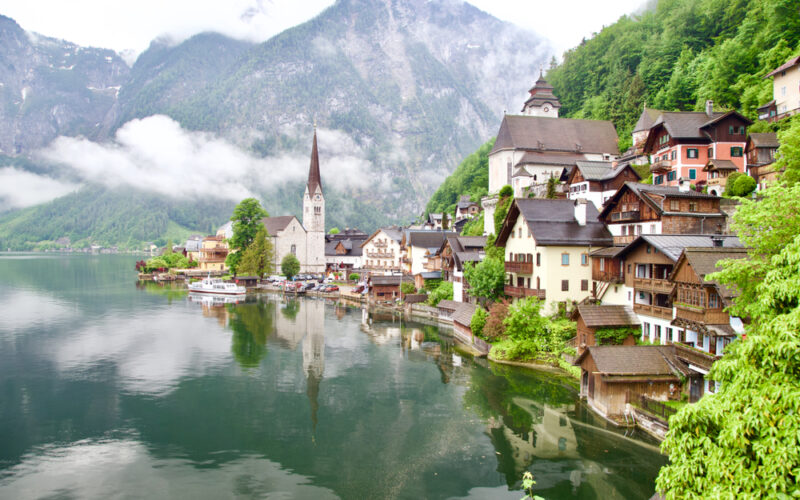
column 542, row 101
column 314, row 215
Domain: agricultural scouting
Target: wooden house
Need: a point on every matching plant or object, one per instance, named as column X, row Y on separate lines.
column 761, row 150
column 612, row 376
column 456, row 251
column 386, row 288
column 597, row 181
column 590, row 318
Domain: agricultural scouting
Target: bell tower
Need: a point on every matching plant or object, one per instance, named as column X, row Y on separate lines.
column 314, row 214
column 542, row 101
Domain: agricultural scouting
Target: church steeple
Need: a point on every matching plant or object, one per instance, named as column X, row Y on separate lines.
column 314, row 180
column 542, row 101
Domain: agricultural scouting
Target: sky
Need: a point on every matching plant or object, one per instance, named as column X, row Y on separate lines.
column 128, row 27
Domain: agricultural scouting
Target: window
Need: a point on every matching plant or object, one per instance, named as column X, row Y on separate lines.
column 671, row 176
column 603, row 264
column 584, row 285
column 520, row 232
column 669, row 335
column 674, row 155
column 648, row 249
column 693, row 206
column 659, row 179
column 736, row 151
column 538, row 259
column 294, row 250
column 691, row 153
column 512, row 234
column 713, row 300
column 658, row 334
column 564, row 285
column 564, row 259
column 692, row 173
column 741, row 130
column 584, row 259
column 730, row 130
column 674, row 205
column 783, row 90
column 652, row 229
column 317, row 210
column 710, row 153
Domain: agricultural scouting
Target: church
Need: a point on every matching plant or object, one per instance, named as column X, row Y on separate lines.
column 306, row 239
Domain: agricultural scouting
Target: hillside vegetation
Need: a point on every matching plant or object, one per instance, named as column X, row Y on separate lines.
column 471, row 177
column 675, row 56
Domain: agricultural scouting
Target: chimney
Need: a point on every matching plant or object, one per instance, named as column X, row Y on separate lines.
column 580, row 211
column 709, row 108
column 684, row 186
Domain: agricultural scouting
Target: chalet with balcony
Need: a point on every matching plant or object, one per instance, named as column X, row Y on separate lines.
column 380, row 252
column 420, row 249
column 681, row 143
column 547, row 245
column 597, row 181
column 648, row 263
column 717, row 172
column 343, row 254
column 613, row 376
column 457, row 251
column 466, row 208
column 591, row 317
column 704, row 326
column 213, row 252
column 785, row 91
column 386, row 288
column 761, row 149
column 638, row 209
column 608, row 276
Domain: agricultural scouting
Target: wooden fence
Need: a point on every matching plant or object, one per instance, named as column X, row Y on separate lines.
column 656, row 408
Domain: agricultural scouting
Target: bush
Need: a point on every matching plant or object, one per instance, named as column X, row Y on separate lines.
column 744, row 185
column 407, row 287
column 354, row 276
column 506, row 191
column 444, row 292
column 731, row 182
column 478, row 321
column 494, row 328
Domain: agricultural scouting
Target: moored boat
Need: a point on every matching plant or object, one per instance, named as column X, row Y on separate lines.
column 217, row 287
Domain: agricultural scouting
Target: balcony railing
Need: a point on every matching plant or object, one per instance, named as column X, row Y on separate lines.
column 694, row 356
column 611, row 277
column 624, row 240
column 655, row 311
column 653, row 285
column 380, row 255
column 379, row 244
column 518, row 291
column 701, row 314
column 519, row 267
column 661, row 166
column 631, row 215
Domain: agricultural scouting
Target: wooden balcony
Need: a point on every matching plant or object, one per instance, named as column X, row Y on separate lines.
column 518, row 291
column 379, row 244
column 624, row 240
column 653, row 285
column 630, row 215
column 701, row 315
column 519, row 267
column 694, row 356
column 380, row 255
column 655, row 311
column 610, row 277
column 661, row 166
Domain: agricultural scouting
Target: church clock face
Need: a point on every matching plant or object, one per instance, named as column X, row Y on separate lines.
column 546, row 109
column 317, row 198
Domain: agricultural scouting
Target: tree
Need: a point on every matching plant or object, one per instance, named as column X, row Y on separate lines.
column 552, row 182
column 525, row 322
column 744, row 186
column 290, row 266
column 478, row 321
column 334, row 230
column 406, row 287
column 246, row 220
column 443, row 292
column 354, row 276
column 495, row 327
column 257, row 259
column 486, row 279
column 744, row 441
column 506, row 196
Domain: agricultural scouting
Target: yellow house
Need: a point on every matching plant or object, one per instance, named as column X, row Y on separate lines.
column 547, row 245
column 785, row 91
column 213, row 253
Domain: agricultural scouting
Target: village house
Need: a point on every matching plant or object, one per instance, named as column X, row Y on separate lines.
column 647, row 209
column 343, row 251
column 457, row 251
column 608, row 276
column 537, row 145
column 642, row 129
column 380, row 252
column 547, row 245
column 785, row 91
column 435, row 222
column 597, row 181
column 614, row 376
column 466, row 209
column 704, row 326
column 761, row 149
column 591, row 317
column 386, row 288
column 213, row 252
column 193, row 246
column 418, row 246
column 681, row 143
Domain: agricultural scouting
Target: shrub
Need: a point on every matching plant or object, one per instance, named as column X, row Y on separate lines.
column 731, row 183
column 354, row 276
column 478, row 321
column 407, row 287
column 744, row 185
column 494, row 327
column 444, row 292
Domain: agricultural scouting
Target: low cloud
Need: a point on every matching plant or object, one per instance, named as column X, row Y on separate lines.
column 155, row 154
column 20, row 189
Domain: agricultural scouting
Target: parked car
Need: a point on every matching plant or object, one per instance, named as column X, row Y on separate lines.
column 358, row 289
column 308, row 286
column 331, row 288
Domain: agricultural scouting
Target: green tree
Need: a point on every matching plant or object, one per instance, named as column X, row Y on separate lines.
column 246, row 220
column 406, row 287
column 354, row 276
column 505, row 197
column 744, row 186
column 478, row 321
column 334, row 230
column 552, row 182
column 443, row 292
column 290, row 266
column 525, row 322
column 486, row 279
column 744, row 441
column 730, row 184
column 258, row 258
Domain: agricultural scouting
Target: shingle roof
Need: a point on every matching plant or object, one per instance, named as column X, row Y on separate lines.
column 764, row 139
column 647, row 119
column 641, row 189
column 633, row 360
column 788, row 64
column 715, row 164
column 275, row 224
column 687, row 124
column 600, row 170
column 556, row 134
column 672, row 245
column 450, row 305
column 704, row 262
column 468, row 242
column 463, row 313
column 428, row 239
column 389, row 280
column 431, row 275
column 352, row 246
column 552, row 222
column 596, row 316
column 539, row 158
column 607, row 252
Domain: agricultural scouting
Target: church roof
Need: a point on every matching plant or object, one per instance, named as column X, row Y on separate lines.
column 275, row 224
column 647, row 119
column 314, row 180
column 556, row 134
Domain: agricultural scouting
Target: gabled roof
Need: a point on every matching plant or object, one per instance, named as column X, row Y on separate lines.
column 463, row 313
column 465, row 249
column 393, row 233
column 647, row 119
column 704, row 261
column 389, row 280
column 541, row 92
column 689, row 124
column 352, row 247
column 788, row 64
column 450, row 305
column 642, row 190
column 552, row 222
column 276, row 224
column 653, row 360
column 556, row 134
column 763, row 139
column 599, row 316
column 540, row 158
column 427, row 239
column 672, row 245
column 464, row 202
column 716, row 165
column 600, row 170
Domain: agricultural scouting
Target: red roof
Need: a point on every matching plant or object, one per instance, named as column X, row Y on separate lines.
column 788, row 64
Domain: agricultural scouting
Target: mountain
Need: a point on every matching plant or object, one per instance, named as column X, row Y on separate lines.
column 50, row 87
column 405, row 87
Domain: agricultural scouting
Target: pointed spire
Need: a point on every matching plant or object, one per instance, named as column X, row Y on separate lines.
column 314, row 179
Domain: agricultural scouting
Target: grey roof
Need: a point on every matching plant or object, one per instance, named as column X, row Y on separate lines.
column 704, row 261
column 463, row 313
column 352, row 246
column 542, row 158
column 715, row 164
column 427, row 239
column 275, row 224
column 464, row 202
column 389, row 280
column 552, row 222
column 647, row 119
column 393, row 233
column 596, row 316
column 556, row 134
column 431, row 275
column 788, row 64
column 687, row 124
column 466, row 249
column 450, row 305
column 642, row 189
column 657, row 360
column 607, row 252
column 468, row 242
column 764, row 139
column 672, row 245
column 600, row 170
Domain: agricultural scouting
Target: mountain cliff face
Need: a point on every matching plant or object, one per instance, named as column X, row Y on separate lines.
column 409, row 87
column 50, row 87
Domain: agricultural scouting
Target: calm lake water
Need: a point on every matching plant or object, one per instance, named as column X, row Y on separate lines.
column 113, row 390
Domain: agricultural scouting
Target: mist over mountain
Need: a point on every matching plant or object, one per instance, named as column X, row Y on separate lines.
column 400, row 92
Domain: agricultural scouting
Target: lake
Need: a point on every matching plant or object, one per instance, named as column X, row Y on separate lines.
column 114, row 389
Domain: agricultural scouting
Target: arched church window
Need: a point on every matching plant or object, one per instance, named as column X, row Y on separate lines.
column 294, row 249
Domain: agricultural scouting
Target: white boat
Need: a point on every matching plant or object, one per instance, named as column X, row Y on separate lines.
column 217, row 287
